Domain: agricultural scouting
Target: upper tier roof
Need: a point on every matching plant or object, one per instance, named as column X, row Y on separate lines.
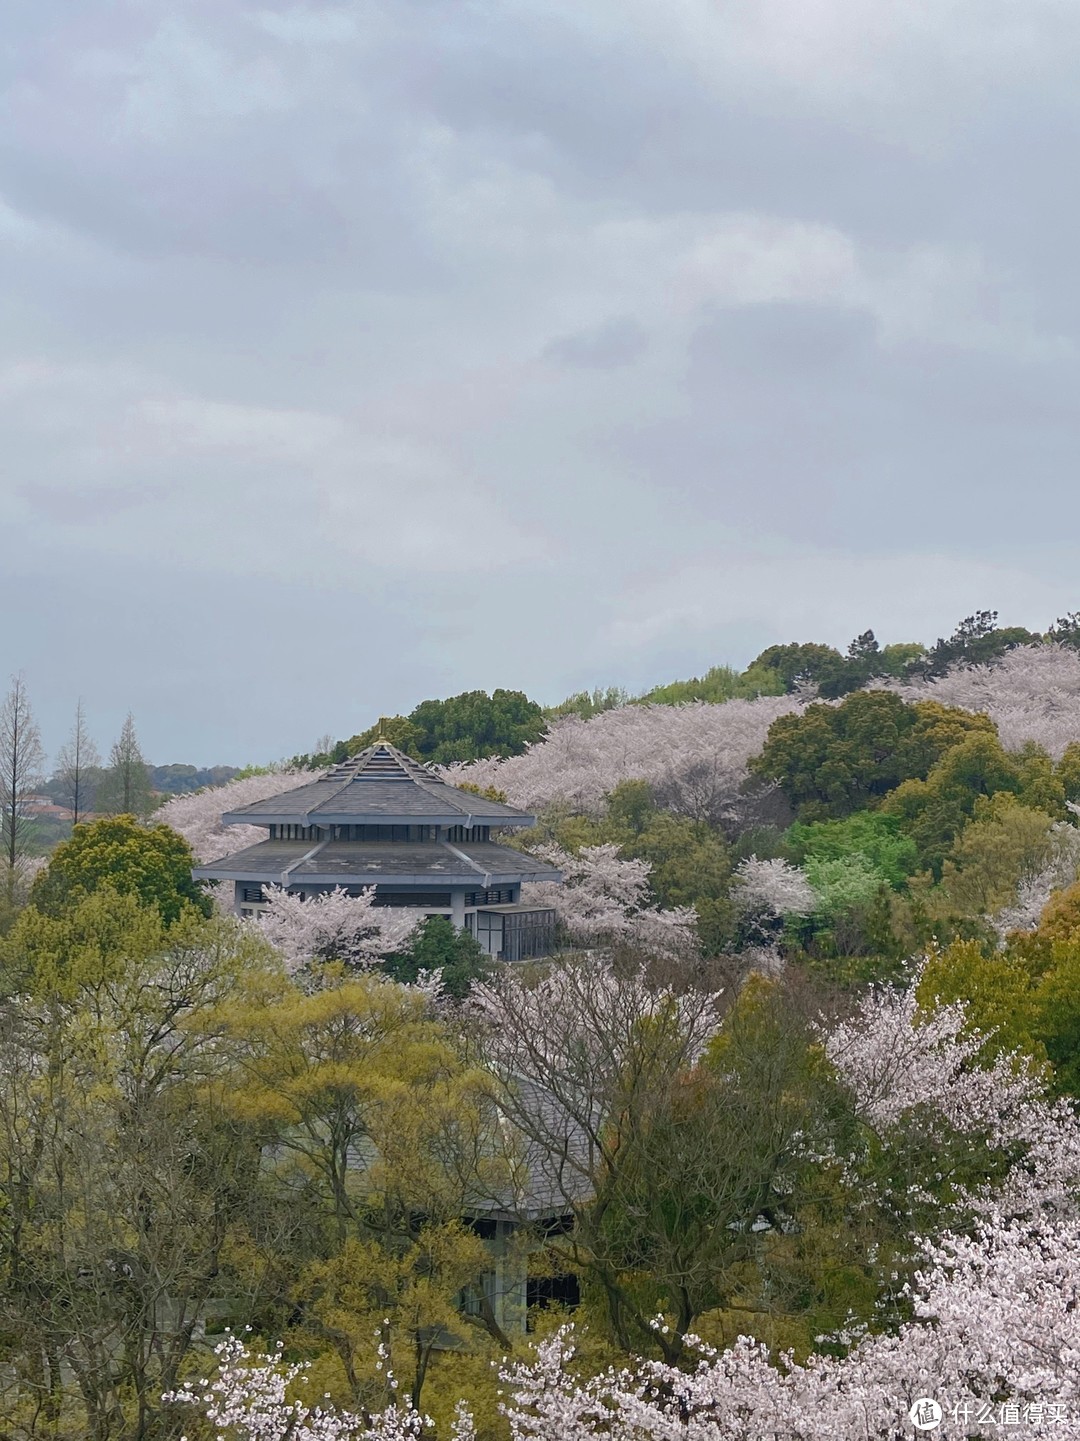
column 380, row 786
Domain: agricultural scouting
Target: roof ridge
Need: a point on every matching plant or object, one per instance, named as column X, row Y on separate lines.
column 354, row 766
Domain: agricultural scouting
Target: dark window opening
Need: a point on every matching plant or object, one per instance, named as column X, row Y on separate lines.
column 433, row 900
column 463, row 833
column 501, row 896
column 528, row 934
column 544, row 1291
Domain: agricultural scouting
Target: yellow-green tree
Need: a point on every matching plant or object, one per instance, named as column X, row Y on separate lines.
column 373, row 1123
column 152, row 863
column 934, row 811
column 1006, row 844
column 121, row 1180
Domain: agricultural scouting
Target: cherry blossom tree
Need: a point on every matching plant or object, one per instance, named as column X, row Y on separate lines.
column 896, row 1057
column 1031, row 694
column 774, row 886
column 765, row 892
column 332, row 926
column 694, row 757
column 197, row 816
column 604, row 897
column 254, row 1399
column 994, row 1339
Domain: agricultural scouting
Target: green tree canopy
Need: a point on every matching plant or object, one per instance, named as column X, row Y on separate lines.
column 1006, row 844
column 719, row 683
column 976, row 640
column 802, row 663
column 835, row 674
column 831, row 761
column 128, row 1211
column 476, row 724
column 152, row 863
column 876, row 837
column 934, row 811
column 438, row 945
column 465, row 727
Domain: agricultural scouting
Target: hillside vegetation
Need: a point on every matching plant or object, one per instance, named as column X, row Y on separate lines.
column 803, row 1082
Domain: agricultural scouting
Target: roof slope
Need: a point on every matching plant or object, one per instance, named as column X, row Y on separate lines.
column 480, row 863
column 379, row 786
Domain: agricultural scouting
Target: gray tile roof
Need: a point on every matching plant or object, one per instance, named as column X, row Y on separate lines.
column 478, row 863
column 380, row 786
column 554, row 1159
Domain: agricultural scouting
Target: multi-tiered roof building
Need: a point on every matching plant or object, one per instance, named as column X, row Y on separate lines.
column 381, row 819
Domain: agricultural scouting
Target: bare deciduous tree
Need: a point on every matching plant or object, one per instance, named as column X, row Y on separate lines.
column 21, row 759
column 78, row 758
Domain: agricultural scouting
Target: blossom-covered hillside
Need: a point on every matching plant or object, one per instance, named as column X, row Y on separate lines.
column 694, row 756
column 198, row 816
column 1032, row 694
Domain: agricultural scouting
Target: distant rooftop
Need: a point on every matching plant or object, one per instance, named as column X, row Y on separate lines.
column 379, row 786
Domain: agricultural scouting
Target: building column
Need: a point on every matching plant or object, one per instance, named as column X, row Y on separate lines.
column 457, row 909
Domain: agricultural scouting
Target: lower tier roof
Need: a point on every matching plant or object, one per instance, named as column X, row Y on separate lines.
column 476, row 864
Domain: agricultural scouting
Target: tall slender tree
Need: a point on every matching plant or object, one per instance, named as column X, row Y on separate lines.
column 78, row 759
column 21, row 760
column 125, row 788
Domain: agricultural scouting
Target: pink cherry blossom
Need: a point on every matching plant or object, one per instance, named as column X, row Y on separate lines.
column 773, row 886
column 694, row 756
column 198, row 816
column 604, row 897
column 1031, row 694
column 332, row 926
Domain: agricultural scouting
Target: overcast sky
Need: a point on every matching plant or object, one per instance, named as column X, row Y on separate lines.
column 356, row 353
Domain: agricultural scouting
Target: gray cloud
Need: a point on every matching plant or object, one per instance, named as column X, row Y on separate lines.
column 354, row 354
column 617, row 342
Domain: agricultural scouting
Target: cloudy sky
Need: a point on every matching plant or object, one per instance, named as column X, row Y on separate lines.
column 360, row 352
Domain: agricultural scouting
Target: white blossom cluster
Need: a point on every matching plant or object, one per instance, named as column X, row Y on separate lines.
column 895, row 1058
column 604, row 897
column 997, row 1314
column 583, row 1021
column 332, row 926
column 773, row 886
column 694, row 756
column 249, row 1399
column 1031, row 694
column 197, row 816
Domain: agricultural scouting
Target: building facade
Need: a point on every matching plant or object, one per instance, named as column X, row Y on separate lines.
column 382, row 820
